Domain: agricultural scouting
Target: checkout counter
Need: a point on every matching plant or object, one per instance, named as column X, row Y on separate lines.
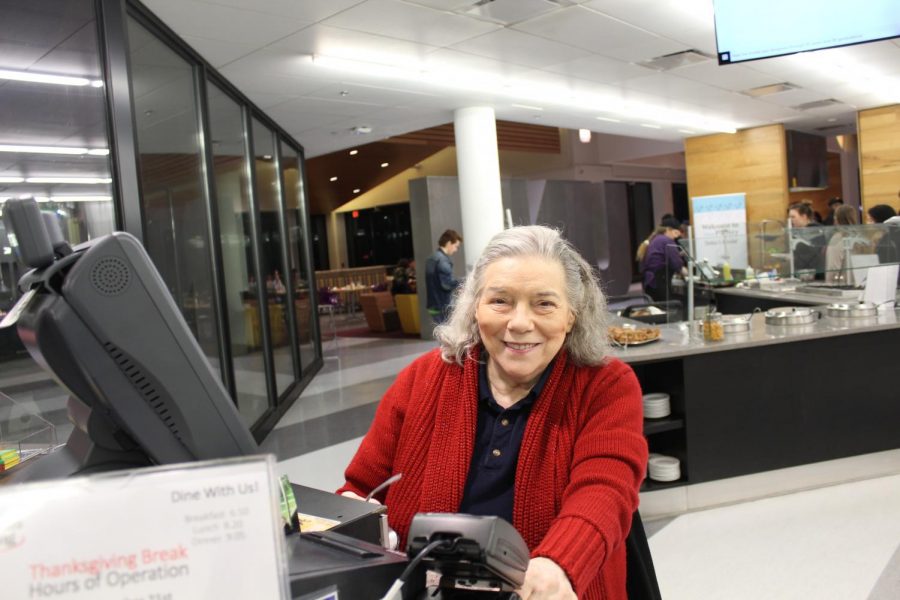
column 771, row 397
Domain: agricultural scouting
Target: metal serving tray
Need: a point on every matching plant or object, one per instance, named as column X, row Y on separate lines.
column 792, row 315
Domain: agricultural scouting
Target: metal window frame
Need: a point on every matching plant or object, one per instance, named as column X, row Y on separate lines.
column 111, row 17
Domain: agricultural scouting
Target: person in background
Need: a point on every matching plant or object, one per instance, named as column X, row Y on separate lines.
column 816, row 217
column 400, row 284
column 808, row 244
column 880, row 213
column 877, row 215
column 520, row 413
column 836, row 269
column 642, row 248
column 888, row 246
column 439, row 281
column 662, row 260
column 833, row 205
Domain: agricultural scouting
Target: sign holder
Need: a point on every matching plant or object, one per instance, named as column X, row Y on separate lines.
column 209, row 529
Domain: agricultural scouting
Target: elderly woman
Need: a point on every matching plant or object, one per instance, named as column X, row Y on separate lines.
column 520, row 413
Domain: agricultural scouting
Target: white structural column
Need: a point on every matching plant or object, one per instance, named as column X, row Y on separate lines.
column 478, row 166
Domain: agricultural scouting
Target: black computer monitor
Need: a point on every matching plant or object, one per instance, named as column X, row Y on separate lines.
column 101, row 321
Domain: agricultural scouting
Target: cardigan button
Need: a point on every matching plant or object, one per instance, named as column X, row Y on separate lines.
column 504, row 422
column 495, row 452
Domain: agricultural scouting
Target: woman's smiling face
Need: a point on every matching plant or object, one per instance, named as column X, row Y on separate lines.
column 523, row 316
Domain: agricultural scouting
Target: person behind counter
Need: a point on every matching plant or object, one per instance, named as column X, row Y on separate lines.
column 662, row 260
column 809, row 244
column 521, row 413
column 836, row 269
column 879, row 213
column 833, row 205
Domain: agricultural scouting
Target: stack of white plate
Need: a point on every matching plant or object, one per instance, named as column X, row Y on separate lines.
column 656, row 406
column 664, row 468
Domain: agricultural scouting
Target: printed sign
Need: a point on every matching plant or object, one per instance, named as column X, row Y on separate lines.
column 720, row 229
column 199, row 530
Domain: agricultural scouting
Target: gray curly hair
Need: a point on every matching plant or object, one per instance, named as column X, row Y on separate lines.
column 587, row 343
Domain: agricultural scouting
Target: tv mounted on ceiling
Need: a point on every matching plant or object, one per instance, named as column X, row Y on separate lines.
column 751, row 30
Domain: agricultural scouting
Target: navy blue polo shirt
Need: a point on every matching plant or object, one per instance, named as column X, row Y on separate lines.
column 498, row 437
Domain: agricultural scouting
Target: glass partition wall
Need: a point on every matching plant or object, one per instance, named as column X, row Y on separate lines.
column 836, row 255
column 817, row 264
column 209, row 184
column 54, row 146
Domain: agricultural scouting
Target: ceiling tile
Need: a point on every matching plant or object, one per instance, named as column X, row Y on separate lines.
column 455, row 60
column 520, row 48
column 216, row 22
column 338, row 108
column 667, row 86
column 304, row 10
column 729, row 77
column 689, row 22
column 448, row 5
column 794, row 97
column 294, row 120
column 368, row 94
column 270, row 83
column 266, row 101
column 581, row 27
column 599, row 68
column 391, row 18
column 345, row 43
column 217, row 52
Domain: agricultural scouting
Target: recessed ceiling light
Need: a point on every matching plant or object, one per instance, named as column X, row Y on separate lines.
column 383, row 165
column 611, row 120
column 333, row 179
column 354, row 152
column 355, row 190
column 687, row 131
column 267, row 157
column 651, row 126
column 528, row 106
column 11, row 179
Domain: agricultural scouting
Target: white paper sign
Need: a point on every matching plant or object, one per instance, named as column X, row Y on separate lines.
column 720, row 229
column 881, row 284
column 198, row 530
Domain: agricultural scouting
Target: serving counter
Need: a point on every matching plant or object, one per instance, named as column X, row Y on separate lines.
column 772, row 397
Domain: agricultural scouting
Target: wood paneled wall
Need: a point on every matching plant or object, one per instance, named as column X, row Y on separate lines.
column 879, row 155
column 753, row 161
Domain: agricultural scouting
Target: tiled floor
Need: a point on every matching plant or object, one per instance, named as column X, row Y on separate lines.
column 840, row 542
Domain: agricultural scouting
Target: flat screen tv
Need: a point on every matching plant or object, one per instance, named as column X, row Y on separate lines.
column 755, row 29
column 100, row 320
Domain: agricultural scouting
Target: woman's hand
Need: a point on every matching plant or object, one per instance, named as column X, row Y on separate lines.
column 350, row 494
column 545, row 580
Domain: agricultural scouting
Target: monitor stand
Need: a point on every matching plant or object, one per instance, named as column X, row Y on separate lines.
column 94, row 446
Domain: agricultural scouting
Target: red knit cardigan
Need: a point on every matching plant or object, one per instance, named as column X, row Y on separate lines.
column 581, row 462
